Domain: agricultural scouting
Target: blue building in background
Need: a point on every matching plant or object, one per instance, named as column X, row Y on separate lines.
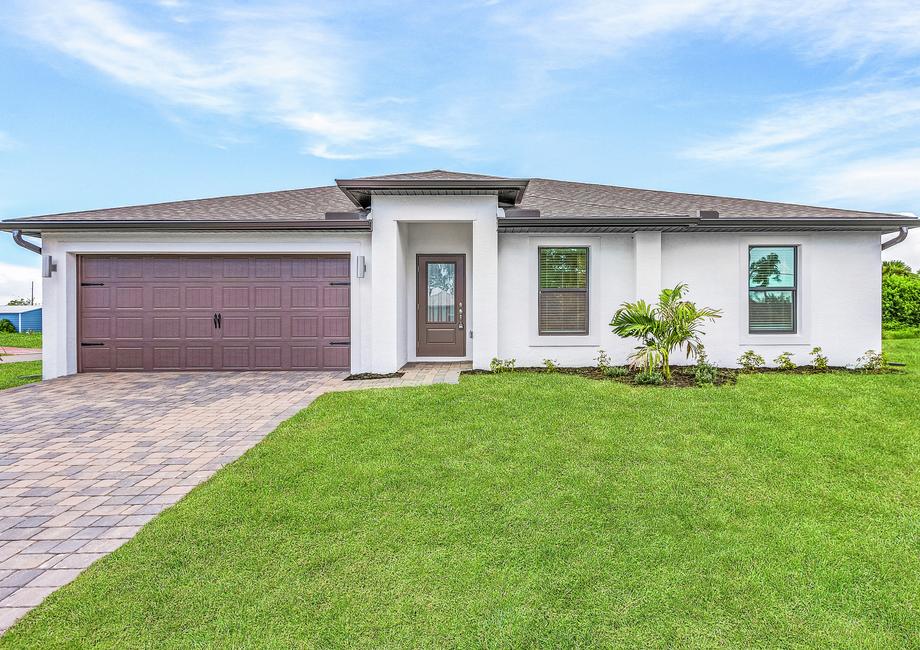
column 24, row 319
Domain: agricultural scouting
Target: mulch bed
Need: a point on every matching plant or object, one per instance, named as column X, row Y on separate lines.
column 684, row 376
column 374, row 375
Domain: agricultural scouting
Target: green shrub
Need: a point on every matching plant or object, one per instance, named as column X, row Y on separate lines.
column 501, row 365
column 750, row 361
column 705, row 373
column 7, row 327
column 649, row 378
column 603, row 360
column 819, row 361
column 871, row 361
column 550, row 365
column 784, row 361
column 615, row 371
column 901, row 301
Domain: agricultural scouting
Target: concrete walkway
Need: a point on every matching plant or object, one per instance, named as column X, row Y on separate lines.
column 13, row 355
column 86, row 460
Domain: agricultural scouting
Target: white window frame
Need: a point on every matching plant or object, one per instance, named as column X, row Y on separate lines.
column 802, row 335
column 592, row 338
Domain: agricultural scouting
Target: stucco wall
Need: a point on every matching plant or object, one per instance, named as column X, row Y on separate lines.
column 839, row 295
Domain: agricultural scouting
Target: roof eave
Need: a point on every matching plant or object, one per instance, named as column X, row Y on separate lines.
column 35, row 227
column 690, row 223
column 359, row 192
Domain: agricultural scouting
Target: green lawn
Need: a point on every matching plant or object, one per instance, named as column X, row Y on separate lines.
column 21, row 340
column 525, row 510
column 19, row 373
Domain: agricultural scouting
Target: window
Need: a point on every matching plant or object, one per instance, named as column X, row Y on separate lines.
column 563, row 294
column 772, row 289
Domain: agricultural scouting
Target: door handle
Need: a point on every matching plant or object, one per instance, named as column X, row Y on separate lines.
column 214, row 318
column 220, row 321
column 460, row 316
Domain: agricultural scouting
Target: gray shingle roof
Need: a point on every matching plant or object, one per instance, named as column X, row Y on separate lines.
column 552, row 197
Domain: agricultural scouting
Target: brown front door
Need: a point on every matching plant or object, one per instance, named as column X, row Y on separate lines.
column 441, row 305
column 213, row 312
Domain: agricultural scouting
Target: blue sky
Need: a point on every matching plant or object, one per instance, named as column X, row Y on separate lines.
column 109, row 103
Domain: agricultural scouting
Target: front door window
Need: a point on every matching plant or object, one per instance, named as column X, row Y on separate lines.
column 442, row 291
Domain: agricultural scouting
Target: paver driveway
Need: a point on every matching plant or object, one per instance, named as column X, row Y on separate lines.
column 86, row 460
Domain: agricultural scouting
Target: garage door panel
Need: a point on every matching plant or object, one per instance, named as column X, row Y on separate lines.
column 129, row 328
column 129, row 297
column 157, row 312
column 167, row 297
column 199, row 298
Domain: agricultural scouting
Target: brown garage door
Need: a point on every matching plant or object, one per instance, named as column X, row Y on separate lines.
column 162, row 312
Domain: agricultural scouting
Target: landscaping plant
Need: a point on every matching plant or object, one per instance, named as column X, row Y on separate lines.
column 819, row 361
column 649, row 377
column 603, row 360
column 705, row 373
column 550, row 365
column 784, row 361
column 6, row 326
column 673, row 323
column 501, row 365
column 751, row 361
column 871, row 361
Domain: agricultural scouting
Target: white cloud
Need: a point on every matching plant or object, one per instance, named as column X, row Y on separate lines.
column 831, row 125
column 282, row 64
column 15, row 282
column 894, row 178
column 573, row 32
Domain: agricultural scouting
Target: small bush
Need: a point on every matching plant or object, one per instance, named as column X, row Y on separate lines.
column 649, row 378
column 550, row 365
column 784, row 361
column 705, row 373
column 7, row 327
column 750, row 361
column 819, row 361
column 871, row 361
column 501, row 365
column 615, row 371
column 603, row 361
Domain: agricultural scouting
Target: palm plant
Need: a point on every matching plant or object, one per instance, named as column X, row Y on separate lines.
column 674, row 323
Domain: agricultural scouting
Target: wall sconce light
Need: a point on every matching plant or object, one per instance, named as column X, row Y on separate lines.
column 360, row 266
column 49, row 266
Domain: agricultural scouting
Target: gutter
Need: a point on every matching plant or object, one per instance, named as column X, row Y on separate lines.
column 894, row 241
column 17, row 237
column 29, row 226
column 706, row 223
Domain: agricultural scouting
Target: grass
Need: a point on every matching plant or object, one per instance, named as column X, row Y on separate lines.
column 901, row 333
column 21, row 340
column 19, row 373
column 523, row 510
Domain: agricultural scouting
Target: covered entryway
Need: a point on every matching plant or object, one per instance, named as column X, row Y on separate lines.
column 197, row 312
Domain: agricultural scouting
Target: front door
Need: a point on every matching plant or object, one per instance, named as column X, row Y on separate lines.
column 440, row 306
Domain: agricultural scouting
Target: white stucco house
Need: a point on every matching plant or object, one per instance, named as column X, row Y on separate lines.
column 372, row 273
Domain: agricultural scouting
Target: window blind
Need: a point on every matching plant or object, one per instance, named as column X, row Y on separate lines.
column 563, row 293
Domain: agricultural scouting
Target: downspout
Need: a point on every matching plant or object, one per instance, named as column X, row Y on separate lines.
column 17, row 237
column 901, row 236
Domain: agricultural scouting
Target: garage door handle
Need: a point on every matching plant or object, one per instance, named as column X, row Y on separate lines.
column 217, row 319
column 91, row 345
column 339, row 342
column 92, row 284
column 340, row 284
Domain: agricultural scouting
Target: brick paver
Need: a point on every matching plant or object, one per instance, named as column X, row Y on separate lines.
column 87, row 460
